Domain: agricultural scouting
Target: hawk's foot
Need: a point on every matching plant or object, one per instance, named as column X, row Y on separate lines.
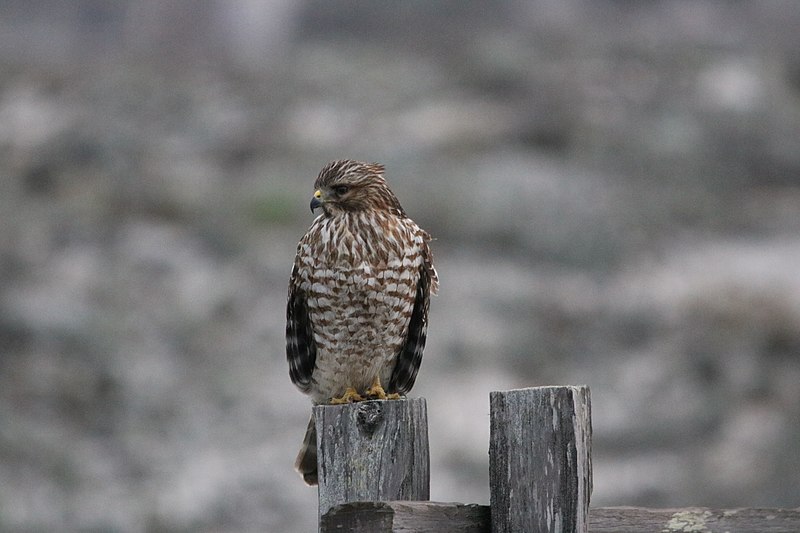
column 350, row 395
column 376, row 392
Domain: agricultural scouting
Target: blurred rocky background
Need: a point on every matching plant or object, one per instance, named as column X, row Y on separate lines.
column 614, row 187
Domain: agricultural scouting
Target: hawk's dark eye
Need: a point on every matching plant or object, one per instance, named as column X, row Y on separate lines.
column 341, row 190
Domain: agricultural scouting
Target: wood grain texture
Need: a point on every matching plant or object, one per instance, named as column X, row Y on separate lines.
column 540, row 475
column 694, row 519
column 407, row 517
column 372, row 451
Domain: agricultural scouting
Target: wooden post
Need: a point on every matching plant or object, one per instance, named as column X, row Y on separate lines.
column 540, row 474
column 372, row 451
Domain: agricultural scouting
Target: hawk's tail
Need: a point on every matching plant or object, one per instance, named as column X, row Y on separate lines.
column 306, row 462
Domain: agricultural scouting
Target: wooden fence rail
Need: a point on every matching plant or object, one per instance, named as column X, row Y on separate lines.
column 374, row 474
column 407, row 517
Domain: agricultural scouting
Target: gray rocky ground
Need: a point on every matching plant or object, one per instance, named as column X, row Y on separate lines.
column 614, row 188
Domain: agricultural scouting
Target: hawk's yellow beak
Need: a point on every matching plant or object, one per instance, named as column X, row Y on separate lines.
column 317, row 200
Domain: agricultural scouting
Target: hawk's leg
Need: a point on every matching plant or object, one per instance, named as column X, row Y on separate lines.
column 376, row 391
column 350, row 395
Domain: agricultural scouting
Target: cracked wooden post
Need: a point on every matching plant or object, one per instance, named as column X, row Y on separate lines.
column 372, row 451
column 540, row 473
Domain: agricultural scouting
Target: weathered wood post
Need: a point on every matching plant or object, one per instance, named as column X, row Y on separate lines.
column 540, row 473
column 372, row 451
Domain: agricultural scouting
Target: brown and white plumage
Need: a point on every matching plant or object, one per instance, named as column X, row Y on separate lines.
column 359, row 293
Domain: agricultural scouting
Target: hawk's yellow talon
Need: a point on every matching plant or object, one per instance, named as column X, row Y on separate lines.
column 376, row 392
column 350, row 395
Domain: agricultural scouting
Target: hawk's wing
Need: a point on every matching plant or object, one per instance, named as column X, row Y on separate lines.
column 410, row 356
column 301, row 350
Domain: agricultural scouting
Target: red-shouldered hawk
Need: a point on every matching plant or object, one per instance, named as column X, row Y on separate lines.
column 359, row 294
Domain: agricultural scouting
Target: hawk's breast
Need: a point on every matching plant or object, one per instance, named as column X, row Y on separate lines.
column 360, row 288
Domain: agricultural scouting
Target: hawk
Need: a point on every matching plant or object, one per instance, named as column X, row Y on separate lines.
column 359, row 293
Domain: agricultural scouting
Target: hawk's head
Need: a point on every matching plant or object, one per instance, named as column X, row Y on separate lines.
column 348, row 186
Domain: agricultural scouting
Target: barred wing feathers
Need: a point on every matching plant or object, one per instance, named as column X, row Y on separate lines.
column 301, row 350
column 410, row 356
